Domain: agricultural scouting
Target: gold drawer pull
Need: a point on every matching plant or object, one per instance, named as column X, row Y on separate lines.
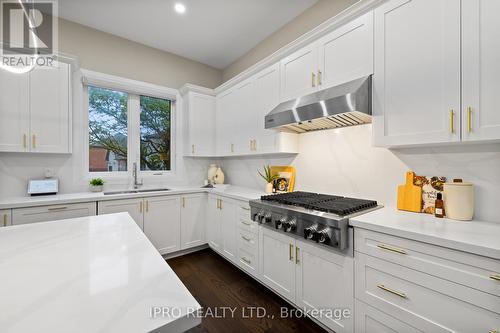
column 183, row 202
column 392, row 291
column 452, row 121
column 246, row 223
column 246, row 260
column 192, row 149
column 24, row 141
column 245, row 208
column 57, row 208
column 140, row 207
column 297, row 255
column 290, row 252
column 392, row 249
column 469, row 119
column 33, row 143
column 4, row 220
column 147, row 206
column 320, row 81
column 495, row 277
column 246, row 238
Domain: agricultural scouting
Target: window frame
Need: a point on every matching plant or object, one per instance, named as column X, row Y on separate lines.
column 134, row 89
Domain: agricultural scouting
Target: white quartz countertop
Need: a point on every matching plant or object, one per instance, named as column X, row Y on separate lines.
column 92, row 274
column 477, row 237
column 235, row 192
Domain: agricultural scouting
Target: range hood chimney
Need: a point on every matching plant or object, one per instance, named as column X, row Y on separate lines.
column 344, row 105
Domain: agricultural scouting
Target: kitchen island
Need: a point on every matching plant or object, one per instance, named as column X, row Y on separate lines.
column 90, row 274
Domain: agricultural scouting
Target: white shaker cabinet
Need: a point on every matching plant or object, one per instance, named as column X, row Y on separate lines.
column 299, row 73
column 243, row 114
column 193, row 219
column 6, row 218
column 480, row 70
column 134, row 207
column 228, row 220
column 416, row 91
column 213, row 226
column 200, row 109
column 14, row 111
column 162, row 217
column 225, row 129
column 52, row 212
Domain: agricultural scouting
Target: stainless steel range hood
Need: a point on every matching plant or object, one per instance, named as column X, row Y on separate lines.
column 344, row 105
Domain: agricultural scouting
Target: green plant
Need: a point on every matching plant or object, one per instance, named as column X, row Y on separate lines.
column 268, row 176
column 96, row 182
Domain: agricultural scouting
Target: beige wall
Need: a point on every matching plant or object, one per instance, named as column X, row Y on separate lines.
column 312, row 17
column 106, row 53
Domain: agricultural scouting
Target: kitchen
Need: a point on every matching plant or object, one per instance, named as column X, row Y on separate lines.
column 151, row 120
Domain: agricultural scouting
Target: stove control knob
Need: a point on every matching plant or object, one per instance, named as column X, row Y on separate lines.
column 278, row 224
column 258, row 217
column 267, row 217
column 309, row 232
column 290, row 224
column 322, row 236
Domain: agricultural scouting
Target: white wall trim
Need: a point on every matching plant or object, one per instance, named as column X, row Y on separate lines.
column 188, row 87
column 359, row 8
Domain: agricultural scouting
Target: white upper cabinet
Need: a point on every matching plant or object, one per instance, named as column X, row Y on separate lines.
column 50, row 111
column 200, row 124
column 225, row 131
column 346, row 53
column 35, row 110
column 14, row 111
column 416, row 72
column 242, row 117
column 299, row 73
column 480, row 70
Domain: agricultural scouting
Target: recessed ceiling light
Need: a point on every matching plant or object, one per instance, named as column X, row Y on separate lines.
column 180, row 8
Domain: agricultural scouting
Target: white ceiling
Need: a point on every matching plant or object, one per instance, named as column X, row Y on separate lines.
column 214, row 32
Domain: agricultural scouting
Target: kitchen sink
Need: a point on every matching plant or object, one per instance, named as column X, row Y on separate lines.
column 136, row 191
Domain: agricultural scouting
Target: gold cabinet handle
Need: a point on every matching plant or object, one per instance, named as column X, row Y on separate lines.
column 290, row 252
column 320, row 81
column 255, row 145
column 392, row 291
column 4, row 220
column 246, row 223
column 25, row 139
column 313, row 80
column 140, row 207
column 246, row 238
column 452, row 121
column 192, row 149
column 220, row 203
column 33, row 141
column 232, row 147
column 147, row 206
column 390, row 248
column 245, row 208
column 246, row 260
column 297, row 255
column 495, row 277
column 218, row 206
column 469, row 119
column 57, row 208
column 183, row 202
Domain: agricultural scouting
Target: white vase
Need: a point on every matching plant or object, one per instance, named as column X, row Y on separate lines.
column 269, row 188
column 212, row 169
column 95, row 188
column 219, row 176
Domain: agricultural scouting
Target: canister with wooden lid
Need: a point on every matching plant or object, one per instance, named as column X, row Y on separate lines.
column 459, row 200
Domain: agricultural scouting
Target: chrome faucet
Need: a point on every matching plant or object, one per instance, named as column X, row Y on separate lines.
column 134, row 174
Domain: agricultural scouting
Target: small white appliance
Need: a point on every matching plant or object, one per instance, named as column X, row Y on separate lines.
column 43, row 186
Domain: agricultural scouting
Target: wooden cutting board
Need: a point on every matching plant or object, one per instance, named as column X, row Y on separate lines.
column 410, row 195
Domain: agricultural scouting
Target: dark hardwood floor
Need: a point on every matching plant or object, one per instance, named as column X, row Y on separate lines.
column 216, row 283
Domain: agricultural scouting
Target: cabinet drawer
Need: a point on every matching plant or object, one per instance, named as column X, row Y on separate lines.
column 52, row 213
column 464, row 268
column 247, row 240
column 244, row 212
column 247, row 260
column 422, row 300
column 370, row 320
column 248, row 226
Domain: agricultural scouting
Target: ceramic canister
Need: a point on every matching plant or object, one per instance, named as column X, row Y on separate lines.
column 459, row 201
column 219, row 176
column 212, row 169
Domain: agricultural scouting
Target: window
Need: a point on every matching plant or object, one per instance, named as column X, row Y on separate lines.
column 155, row 133
column 108, row 130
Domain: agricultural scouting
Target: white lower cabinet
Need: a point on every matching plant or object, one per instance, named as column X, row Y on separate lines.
column 213, row 227
column 162, row 216
column 132, row 206
column 193, row 219
column 228, row 219
column 6, row 217
column 52, row 213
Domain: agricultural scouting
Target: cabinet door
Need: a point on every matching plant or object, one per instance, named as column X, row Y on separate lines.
column 267, row 89
column 313, row 267
column 299, row 73
column 193, row 219
column 134, row 207
column 213, row 227
column 480, row 70
column 242, row 118
column 50, row 109
column 228, row 220
column 225, row 128
column 417, row 72
column 52, row 213
column 162, row 219
column 370, row 320
column 6, row 218
column 201, row 124
column 277, row 262
column 14, row 111
column 346, row 53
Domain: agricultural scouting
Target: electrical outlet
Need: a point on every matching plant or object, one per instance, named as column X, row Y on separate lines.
column 49, row 173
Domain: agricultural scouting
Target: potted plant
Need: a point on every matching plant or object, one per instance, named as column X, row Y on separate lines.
column 96, row 184
column 268, row 177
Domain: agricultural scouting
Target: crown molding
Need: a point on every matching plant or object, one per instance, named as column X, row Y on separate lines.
column 188, row 87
